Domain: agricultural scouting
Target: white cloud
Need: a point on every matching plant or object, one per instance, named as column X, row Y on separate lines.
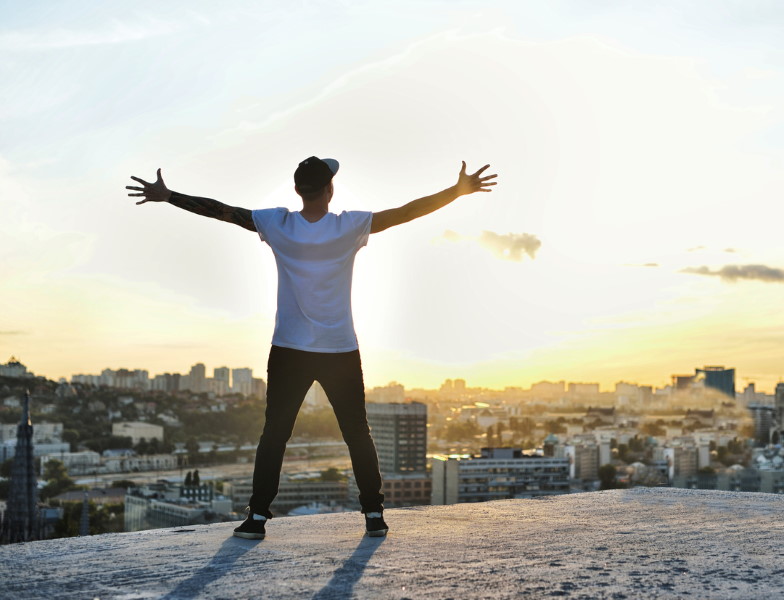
column 506, row 246
column 113, row 32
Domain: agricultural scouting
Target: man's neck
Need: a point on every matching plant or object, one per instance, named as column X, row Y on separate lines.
column 313, row 211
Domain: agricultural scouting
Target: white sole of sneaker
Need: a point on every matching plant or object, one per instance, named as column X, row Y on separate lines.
column 249, row 536
column 379, row 533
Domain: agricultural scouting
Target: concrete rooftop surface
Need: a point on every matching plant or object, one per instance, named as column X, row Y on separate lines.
column 638, row 543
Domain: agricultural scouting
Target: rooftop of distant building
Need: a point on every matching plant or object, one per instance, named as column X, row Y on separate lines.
column 637, row 543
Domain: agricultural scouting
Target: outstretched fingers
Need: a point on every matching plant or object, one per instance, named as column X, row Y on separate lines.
column 480, row 171
column 482, row 184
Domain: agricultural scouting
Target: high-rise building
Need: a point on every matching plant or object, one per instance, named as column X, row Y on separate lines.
column 242, row 381
column 400, row 433
column 749, row 394
column 583, row 389
column 21, row 520
column 682, row 382
column 497, row 474
column 316, row 397
column 221, row 375
column 631, row 393
column 548, row 389
column 764, row 419
column 717, row 378
column 258, row 388
column 392, row 392
column 778, row 405
column 197, row 378
column 583, row 461
column 166, row 382
column 682, row 458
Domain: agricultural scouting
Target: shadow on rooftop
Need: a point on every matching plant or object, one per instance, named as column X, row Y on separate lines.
column 350, row 572
column 223, row 561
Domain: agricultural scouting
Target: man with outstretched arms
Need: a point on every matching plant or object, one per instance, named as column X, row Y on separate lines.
column 314, row 338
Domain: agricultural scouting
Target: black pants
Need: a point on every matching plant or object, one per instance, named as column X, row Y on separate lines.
column 290, row 373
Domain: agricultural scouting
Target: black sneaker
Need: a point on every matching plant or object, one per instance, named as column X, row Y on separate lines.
column 375, row 525
column 251, row 529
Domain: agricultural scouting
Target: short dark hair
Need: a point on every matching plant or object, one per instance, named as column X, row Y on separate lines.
column 310, row 196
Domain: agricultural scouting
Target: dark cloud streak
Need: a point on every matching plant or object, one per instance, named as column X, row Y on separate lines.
column 733, row 273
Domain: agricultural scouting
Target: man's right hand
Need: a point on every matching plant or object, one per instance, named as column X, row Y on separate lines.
column 468, row 184
column 151, row 192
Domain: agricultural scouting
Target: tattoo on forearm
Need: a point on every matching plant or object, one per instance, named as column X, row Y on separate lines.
column 207, row 207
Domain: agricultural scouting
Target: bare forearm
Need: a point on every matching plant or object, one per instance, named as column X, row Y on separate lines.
column 466, row 184
column 413, row 210
column 207, row 207
column 424, row 206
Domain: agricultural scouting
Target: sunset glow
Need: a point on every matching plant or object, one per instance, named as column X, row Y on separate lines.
column 635, row 231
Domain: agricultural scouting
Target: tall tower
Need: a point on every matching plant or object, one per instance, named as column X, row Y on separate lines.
column 400, row 433
column 778, row 411
column 764, row 422
column 197, row 378
column 84, row 521
column 21, row 520
column 779, row 404
column 717, row 378
column 242, row 381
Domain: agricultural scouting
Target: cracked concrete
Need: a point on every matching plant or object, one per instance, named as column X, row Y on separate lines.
column 638, row 543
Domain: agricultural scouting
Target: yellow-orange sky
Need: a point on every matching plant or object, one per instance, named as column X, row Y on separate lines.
column 641, row 148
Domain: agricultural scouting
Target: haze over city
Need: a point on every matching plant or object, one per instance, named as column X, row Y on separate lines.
column 634, row 233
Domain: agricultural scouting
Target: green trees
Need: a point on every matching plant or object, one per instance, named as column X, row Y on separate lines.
column 243, row 422
column 319, row 424
column 653, row 429
column 557, row 426
column 58, row 481
column 104, row 518
column 459, row 431
column 108, row 442
column 332, row 474
column 71, row 436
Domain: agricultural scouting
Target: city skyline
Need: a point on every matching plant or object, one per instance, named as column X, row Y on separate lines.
column 228, row 378
column 634, row 230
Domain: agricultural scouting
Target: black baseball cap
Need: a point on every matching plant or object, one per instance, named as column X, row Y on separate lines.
column 314, row 173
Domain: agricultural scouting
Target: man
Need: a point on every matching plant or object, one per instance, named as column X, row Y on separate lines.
column 314, row 338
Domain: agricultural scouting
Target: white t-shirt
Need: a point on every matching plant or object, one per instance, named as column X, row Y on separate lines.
column 315, row 265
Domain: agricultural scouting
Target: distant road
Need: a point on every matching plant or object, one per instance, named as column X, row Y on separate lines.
column 226, row 471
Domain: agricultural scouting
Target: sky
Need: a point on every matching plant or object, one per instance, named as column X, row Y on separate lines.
column 635, row 231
